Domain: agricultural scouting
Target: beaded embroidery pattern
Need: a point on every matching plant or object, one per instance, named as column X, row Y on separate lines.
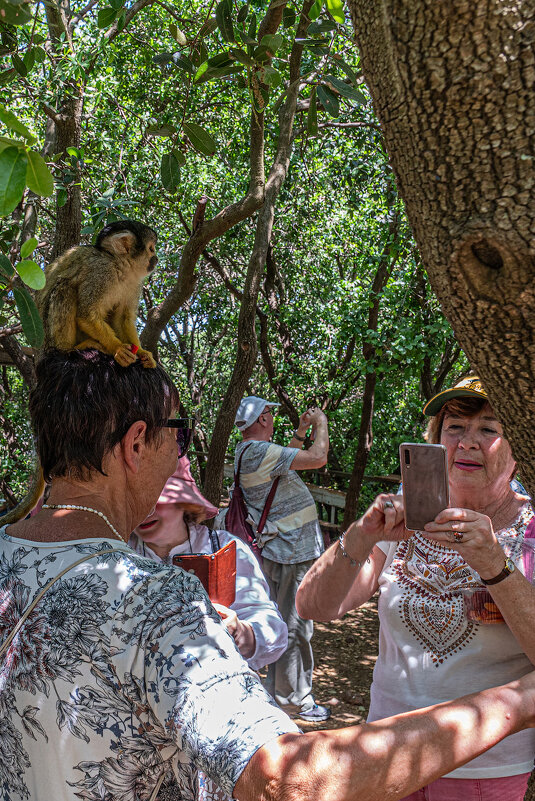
column 431, row 574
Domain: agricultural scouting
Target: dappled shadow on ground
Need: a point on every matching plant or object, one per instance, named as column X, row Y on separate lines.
column 344, row 655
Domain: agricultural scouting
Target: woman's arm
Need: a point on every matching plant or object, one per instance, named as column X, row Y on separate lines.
column 254, row 608
column 387, row 759
column 333, row 585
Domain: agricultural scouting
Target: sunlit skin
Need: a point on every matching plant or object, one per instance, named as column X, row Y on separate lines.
column 480, row 461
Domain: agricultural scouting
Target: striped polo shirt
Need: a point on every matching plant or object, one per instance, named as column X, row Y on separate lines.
column 293, row 510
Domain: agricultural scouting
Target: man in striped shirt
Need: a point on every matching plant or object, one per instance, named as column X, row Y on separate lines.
column 298, row 542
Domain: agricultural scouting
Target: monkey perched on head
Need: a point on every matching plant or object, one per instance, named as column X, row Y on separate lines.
column 90, row 300
column 92, row 293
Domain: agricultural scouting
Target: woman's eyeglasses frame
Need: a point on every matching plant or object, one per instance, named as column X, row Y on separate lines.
column 184, row 432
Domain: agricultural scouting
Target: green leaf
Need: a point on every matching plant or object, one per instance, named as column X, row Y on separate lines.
column 242, row 57
column 12, row 14
column 106, row 16
column 242, row 13
column 223, row 15
column 336, row 8
column 29, row 59
column 270, row 76
column 87, row 229
column 199, row 138
column 121, row 21
column 31, row 274
column 161, row 130
column 61, row 198
column 178, row 35
column 117, row 4
column 323, row 26
column 13, row 166
column 6, row 268
column 11, row 122
column 315, row 11
column 209, row 27
column 28, row 247
column 346, row 91
column 288, row 17
column 29, row 317
column 19, row 65
column 312, row 116
column 170, row 171
column 40, row 55
column 349, row 71
column 271, row 42
column 7, row 76
column 38, row 177
column 329, row 100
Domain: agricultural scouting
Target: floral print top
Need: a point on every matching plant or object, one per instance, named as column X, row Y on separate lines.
column 122, row 672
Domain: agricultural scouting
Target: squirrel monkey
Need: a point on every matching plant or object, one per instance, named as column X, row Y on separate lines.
column 92, row 293
column 90, row 300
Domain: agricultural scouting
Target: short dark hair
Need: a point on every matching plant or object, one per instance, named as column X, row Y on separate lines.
column 143, row 233
column 466, row 407
column 84, row 403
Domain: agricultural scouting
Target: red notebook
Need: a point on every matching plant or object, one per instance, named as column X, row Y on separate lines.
column 216, row 572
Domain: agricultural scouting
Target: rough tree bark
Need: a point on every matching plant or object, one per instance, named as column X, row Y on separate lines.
column 452, row 85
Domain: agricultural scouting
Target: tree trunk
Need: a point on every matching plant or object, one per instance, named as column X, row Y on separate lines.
column 452, row 85
column 363, row 451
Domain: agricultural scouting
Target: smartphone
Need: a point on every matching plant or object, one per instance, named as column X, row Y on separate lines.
column 424, row 473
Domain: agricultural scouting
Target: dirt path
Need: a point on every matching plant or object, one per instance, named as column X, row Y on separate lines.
column 344, row 655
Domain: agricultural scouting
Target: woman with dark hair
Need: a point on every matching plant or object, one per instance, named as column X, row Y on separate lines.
column 109, row 684
column 429, row 649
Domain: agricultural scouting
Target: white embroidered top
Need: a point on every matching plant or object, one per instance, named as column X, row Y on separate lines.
column 430, row 652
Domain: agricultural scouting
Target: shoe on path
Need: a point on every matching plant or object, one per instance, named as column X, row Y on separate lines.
column 315, row 713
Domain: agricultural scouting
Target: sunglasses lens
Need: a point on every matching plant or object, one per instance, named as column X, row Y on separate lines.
column 183, row 439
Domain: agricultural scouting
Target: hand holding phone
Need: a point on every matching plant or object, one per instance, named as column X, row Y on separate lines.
column 424, row 473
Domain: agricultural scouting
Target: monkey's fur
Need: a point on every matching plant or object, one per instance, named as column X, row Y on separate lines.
column 90, row 300
column 92, row 294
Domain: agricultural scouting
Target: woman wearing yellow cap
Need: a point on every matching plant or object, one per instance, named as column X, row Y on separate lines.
column 430, row 649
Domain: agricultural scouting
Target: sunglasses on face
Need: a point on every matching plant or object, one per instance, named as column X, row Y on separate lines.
column 184, row 431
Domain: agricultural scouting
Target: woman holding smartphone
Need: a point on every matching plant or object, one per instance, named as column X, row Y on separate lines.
column 429, row 651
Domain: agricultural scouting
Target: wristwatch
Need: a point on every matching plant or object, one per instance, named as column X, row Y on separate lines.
column 509, row 568
column 296, row 435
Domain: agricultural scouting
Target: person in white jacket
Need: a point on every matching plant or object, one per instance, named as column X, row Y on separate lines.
column 173, row 529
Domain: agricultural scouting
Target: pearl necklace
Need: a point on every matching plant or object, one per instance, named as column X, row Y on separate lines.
column 84, row 509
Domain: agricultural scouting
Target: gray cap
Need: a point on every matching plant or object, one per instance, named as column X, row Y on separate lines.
column 250, row 410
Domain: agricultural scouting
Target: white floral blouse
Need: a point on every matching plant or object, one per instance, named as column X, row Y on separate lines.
column 122, row 673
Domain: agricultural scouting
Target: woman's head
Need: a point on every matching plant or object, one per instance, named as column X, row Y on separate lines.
column 479, row 456
column 84, row 403
column 180, row 500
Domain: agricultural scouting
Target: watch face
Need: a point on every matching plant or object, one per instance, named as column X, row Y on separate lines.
column 509, row 565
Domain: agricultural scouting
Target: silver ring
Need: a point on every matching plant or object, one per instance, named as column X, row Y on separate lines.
column 388, row 505
column 458, row 536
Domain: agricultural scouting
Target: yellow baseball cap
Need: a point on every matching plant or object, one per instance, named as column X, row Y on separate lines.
column 470, row 387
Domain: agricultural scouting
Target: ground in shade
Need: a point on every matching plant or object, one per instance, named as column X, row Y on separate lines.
column 344, row 654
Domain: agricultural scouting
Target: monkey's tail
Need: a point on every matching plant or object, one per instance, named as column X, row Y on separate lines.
column 26, row 505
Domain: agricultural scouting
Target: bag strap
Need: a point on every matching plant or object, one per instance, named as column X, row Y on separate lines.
column 237, row 471
column 15, row 630
column 267, row 505
column 214, row 540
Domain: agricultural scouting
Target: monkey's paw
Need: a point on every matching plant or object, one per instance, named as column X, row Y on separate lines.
column 124, row 356
column 146, row 358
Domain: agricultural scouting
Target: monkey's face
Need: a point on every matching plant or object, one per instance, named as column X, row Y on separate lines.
column 150, row 256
